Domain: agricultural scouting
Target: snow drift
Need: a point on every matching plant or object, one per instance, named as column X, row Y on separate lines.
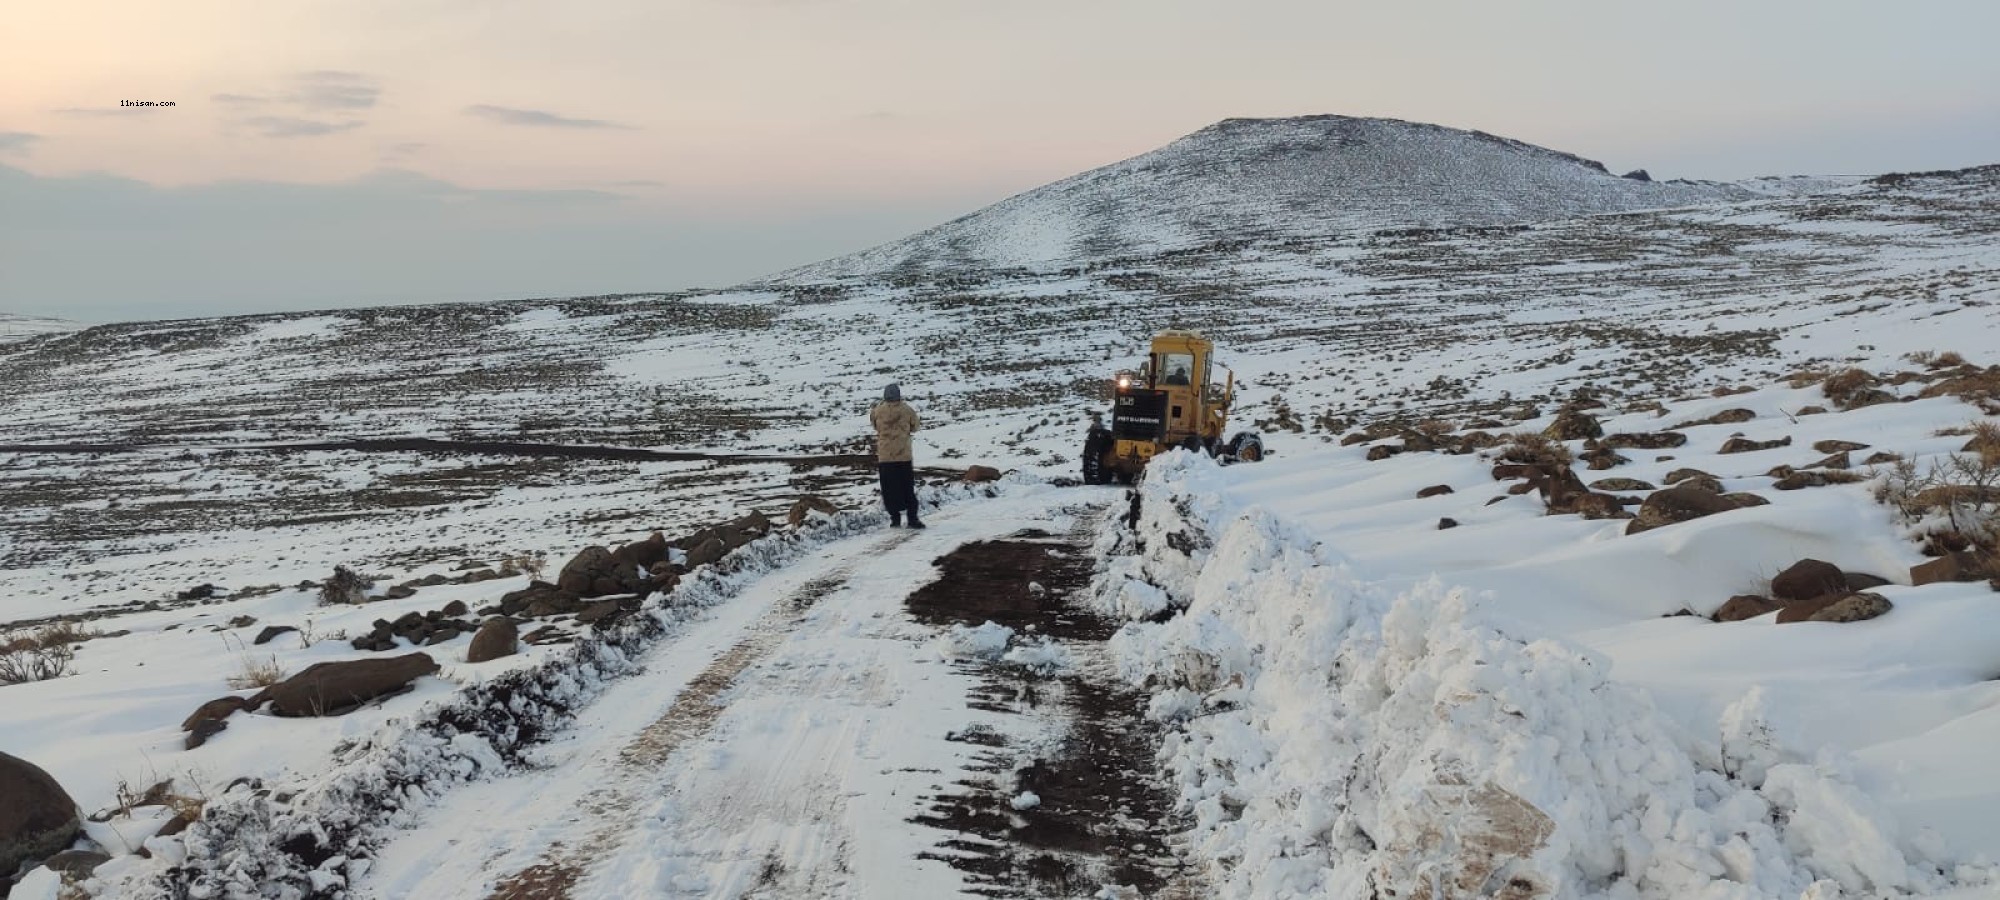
column 1330, row 739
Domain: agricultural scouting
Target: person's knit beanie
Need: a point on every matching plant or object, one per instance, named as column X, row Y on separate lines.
column 892, row 392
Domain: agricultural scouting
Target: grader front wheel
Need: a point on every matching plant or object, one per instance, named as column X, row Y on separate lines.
column 1246, row 446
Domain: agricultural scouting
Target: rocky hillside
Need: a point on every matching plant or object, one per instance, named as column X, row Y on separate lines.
column 1270, row 180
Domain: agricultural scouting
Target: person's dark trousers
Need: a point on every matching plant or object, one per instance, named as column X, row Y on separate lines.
column 899, row 489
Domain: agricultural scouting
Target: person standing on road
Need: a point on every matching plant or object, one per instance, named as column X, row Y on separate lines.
column 894, row 421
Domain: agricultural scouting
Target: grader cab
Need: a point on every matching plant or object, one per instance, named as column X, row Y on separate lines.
column 1173, row 400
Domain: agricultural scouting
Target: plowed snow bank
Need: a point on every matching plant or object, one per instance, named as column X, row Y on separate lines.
column 1333, row 740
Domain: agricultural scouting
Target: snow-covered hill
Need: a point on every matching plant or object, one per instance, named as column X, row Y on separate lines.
column 17, row 328
column 1269, row 180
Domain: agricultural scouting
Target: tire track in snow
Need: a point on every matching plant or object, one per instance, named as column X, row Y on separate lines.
column 690, row 717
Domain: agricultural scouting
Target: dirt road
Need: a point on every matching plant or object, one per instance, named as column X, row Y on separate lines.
column 839, row 730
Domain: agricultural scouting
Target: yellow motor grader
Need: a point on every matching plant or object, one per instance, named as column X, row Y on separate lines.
column 1172, row 400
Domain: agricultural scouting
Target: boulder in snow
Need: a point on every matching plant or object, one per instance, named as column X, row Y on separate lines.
column 1744, row 606
column 497, row 638
column 1680, row 503
column 1573, row 424
column 1965, row 565
column 37, row 817
column 1746, row 445
column 1647, row 440
column 334, row 688
column 1853, row 607
column 1807, row 579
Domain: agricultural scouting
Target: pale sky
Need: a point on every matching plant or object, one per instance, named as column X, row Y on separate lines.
column 327, row 153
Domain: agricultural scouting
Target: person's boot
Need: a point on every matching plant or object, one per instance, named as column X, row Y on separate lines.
column 914, row 521
column 896, row 519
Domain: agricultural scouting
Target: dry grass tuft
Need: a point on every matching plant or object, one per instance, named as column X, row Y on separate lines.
column 256, row 672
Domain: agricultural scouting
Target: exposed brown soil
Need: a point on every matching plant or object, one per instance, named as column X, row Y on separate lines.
column 1103, row 818
column 994, row 581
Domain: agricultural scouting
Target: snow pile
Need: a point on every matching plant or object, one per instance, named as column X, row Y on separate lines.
column 1331, row 739
column 992, row 641
column 985, row 641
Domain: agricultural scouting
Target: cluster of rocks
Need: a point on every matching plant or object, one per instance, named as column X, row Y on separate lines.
column 1562, row 492
column 419, row 628
column 598, row 586
column 348, row 587
column 1426, row 438
column 1811, row 590
column 322, row 689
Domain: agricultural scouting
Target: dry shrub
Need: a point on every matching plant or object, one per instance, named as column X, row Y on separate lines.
column 1805, row 378
column 253, row 671
column 1985, row 442
column 42, row 654
column 1840, row 476
column 1945, row 360
column 1961, row 488
column 1943, row 541
column 1534, row 448
column 186, row 804
column 530, row 564
column 1920, row 357
column 345, row 586
column 1970, row 385
column 1844, row 385
column 24, row 661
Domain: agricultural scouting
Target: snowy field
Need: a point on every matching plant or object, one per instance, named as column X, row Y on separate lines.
column 1341, row 697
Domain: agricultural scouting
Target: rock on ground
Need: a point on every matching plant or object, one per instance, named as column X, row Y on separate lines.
column 37, row 817
column 499, row 637
column 333, row 688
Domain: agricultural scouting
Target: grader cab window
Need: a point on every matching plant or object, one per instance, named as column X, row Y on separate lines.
column 1177, row 368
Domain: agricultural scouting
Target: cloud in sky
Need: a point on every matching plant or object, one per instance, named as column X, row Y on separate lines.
column 536, row 118
column 287, row 126
column 314, row 95
column 18, row 143
column 334, row 90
